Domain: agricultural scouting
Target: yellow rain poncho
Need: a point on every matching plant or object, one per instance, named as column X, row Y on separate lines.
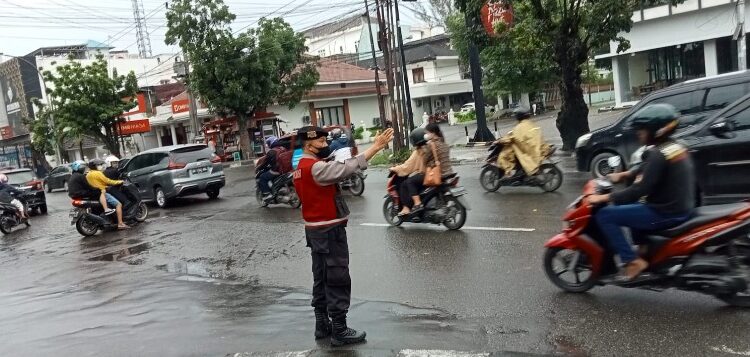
column 524, row 145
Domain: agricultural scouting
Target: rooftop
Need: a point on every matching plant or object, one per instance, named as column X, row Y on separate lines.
column 334, row 71
column 65, row 49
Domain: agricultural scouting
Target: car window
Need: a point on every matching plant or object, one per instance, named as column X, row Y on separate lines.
column 161, row 159
column 720, row 97
column 686, row 103
column 192, row 154
column 137, row 163
column 19, row 177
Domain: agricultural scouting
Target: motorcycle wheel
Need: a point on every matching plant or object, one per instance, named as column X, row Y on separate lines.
column 489, row 178
column 556, row 273
column 357, row 186
column 294, row 200
column 390, row 213
column 458, row 217
column 141, row 213
column 552, row 176
column 86, row 227
column 259, row 198
column 6, row 226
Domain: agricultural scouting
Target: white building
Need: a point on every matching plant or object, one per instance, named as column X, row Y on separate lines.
column 670, row 44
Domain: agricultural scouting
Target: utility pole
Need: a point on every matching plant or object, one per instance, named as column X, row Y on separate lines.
column 407, row 92
column 483, row 133
column 385, row 47
column 741, row 45
column 381, row 107
column 183, row 71
column 394, row 70
column 141, row 29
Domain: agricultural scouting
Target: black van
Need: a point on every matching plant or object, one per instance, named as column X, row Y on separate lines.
column 696, row 99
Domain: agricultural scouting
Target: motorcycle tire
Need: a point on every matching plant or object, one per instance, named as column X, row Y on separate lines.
column 141, row 213
column 6, row 226
column 489, row 178
column 357, row 187
column 390, row 213
column 454, row 223
column 579, row 286
column 554, row 177
column 85, row 227
column 294, row 200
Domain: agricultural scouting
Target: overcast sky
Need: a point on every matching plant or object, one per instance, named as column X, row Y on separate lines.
column 26, row 25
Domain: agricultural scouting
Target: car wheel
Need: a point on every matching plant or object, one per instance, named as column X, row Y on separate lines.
column 599, row 165
column 160, row 197
column 213, row 194
column 47, row 187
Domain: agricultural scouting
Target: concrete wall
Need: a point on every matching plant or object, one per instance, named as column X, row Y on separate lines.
column 363, row 109
column 447, row 70
column 293, row 117
column 333, row 44
column 638, row 65
column 621, row 75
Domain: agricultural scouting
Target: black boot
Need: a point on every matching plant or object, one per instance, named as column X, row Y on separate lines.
column 322, row 324
column 343, row 335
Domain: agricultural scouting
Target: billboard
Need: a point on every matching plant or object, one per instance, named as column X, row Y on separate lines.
column 14, row 106
column 180, row 106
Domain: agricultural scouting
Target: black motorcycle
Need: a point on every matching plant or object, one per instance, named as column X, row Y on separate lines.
column 549, row 177
column 443, row 204
column 354, row 183
column 89, row 218
column 282, row 191
column 9, row 216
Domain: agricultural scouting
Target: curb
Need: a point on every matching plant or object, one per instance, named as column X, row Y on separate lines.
column 480, row 143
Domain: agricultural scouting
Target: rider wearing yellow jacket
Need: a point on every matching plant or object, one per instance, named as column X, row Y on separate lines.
column 524, row 145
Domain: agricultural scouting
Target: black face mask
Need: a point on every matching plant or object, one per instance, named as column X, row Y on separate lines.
column 324, row 153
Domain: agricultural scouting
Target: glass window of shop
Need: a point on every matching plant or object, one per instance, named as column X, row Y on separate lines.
column 726, row 55
column 674, row 64
column 331, row 116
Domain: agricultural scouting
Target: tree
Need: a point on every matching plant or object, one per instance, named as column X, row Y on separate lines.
column 87, row 100
column 436, row 13
column 41, row 129
column 245, row 73
column 570, row 30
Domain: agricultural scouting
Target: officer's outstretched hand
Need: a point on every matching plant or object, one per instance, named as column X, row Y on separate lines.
column 381, row 141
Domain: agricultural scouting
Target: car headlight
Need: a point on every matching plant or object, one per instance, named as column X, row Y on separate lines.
column 583, row 140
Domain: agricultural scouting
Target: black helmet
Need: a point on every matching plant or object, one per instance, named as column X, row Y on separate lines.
column 521, row 113
column 417, row 137
column 95, row 162
column 659, row 119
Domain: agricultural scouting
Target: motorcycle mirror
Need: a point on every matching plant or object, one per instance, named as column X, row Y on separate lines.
column 614, row 162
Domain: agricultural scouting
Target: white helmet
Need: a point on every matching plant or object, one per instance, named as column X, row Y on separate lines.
column 111, row 159
column 3, row 178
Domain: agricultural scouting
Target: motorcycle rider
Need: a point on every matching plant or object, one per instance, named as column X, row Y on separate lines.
column 325, row 216
column 340, row 145
column 112, row 170
column 666, row 182
column 7, row 193
column 413, row 166
column 97, row 180
column 269, row 164
column 434, row 143
column 523, row 147
column 78, row 187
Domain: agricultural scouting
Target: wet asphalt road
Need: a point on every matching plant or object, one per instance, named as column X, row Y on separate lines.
column 223, row 277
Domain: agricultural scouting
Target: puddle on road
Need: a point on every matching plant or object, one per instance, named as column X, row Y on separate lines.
column 123, row 253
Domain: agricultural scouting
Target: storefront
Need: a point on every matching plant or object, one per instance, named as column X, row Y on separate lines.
column 224, row 134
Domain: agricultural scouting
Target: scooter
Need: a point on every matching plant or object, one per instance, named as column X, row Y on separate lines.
column 282, row 191
column 707, row 254
column 444, row 204
column 549, row 177
column 89, row 218
column 354, row 183
column 9, row 218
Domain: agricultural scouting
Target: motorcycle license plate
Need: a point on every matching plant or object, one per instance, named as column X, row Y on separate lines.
column 74, row 213
column 200, row 170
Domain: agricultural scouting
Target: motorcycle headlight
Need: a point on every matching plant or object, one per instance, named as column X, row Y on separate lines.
column 583, row 140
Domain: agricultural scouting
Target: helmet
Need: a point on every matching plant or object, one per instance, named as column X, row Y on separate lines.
column 271, row 140
column 78, row 166
column 336, row 133
column 3, row 178
column 521, row 113
column 111, row 159
column 95, row 163
column 417, row 137
column 660, row 120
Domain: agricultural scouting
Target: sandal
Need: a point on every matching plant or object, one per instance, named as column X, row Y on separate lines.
column 633, row 269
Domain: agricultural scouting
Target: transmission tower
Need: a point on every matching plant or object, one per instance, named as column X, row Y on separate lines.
column 141, row 29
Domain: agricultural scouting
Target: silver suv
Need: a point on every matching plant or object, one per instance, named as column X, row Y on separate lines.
column 168, row 172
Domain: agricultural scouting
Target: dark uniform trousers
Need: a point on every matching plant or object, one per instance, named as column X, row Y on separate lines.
column 332, row 286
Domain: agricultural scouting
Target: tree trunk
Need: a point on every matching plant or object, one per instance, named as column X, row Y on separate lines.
column 572, row 121
column 244, row 136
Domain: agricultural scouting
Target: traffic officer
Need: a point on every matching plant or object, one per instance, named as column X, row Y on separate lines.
column 325, row 216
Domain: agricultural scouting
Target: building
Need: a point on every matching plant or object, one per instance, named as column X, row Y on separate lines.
column 670, row 44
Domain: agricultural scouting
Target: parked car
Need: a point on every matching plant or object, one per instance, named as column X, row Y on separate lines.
column 25, row 180
column 58, row 178
column 470, row 107
column 696, row 99
column 165, row 173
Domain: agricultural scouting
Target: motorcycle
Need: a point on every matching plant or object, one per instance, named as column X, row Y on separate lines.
column 443, row 204
column 282, row 191
column 706, row 254
column 9, row 218
column 89, row 218
column 549, row 177
column 354, row 183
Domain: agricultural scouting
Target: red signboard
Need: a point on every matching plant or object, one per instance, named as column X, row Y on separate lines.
column 495, row 11
column 141, row 108
column 6, row 132
column 180, row 106
column 134, row 127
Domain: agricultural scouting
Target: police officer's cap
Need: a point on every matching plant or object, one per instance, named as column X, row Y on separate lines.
column 311, row 133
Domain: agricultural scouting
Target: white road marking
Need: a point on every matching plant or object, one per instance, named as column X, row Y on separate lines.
column 439, row 353
column 728, row 350
column 466, row 228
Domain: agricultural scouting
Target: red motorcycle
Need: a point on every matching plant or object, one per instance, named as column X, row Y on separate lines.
column 709, row 254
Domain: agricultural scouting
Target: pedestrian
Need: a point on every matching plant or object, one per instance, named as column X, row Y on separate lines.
column 425, row 119
column 325, row 216
column 533, row 109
